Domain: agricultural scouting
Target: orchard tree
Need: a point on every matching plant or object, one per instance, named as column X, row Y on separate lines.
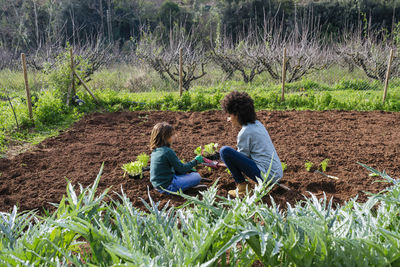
column 306, row 51
column 369, row 53
column 239, row 57
column 163, row 56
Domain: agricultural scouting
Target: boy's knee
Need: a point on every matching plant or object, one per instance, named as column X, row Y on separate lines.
column 195, row 177
column 198, row 177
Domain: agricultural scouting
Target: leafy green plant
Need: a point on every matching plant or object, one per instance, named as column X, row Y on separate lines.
column 143, row 158
column 198, row 151
column 88, row 228
column 284, row 166
column 208, row 150
column 58, row 75
column 308, row 165
column 133, row 168
column 324, row 165
column 136, row 168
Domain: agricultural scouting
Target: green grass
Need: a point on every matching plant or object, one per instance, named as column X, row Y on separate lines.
column 88, row 230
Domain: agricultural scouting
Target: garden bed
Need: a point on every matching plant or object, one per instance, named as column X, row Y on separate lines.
column 35, row 178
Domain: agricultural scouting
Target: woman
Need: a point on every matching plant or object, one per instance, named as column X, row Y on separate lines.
column 256, row 154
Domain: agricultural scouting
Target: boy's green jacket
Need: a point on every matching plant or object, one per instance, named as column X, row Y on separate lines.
column 164, row 165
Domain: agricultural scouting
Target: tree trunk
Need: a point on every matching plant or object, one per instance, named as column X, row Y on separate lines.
column 38, row 43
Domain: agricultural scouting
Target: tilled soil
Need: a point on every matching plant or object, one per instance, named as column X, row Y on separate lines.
column 34, row 179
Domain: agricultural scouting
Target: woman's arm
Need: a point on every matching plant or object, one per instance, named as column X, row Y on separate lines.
column 178, row 166
column 243, row 144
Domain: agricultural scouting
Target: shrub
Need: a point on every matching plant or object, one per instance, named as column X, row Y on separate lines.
column 49, row 109
column 185, row 102
column 58, row 75
column 358, row 85
column 2, row 142
column 201, row 102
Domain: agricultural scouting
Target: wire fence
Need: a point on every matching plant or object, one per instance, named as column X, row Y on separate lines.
column 370, row 72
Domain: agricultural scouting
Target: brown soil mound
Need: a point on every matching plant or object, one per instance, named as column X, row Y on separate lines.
column 33, row 179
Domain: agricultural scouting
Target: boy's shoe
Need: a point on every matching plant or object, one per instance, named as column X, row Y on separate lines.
column 241, row 188
column 200, row 186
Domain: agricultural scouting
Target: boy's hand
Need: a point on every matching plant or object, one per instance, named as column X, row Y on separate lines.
column 199, row 159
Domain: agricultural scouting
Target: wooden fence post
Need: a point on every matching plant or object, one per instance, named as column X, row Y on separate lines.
column 180, row 72
column 86, row 87
column 389, row 66
column 13, row 110
column 72, row 87
column 283, row 74
column 28, row 91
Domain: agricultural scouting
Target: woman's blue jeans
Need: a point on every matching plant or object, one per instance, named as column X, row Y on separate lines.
column 239, row 164
column 183, row 182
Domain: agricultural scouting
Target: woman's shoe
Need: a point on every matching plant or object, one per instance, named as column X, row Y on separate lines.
column 241, row 189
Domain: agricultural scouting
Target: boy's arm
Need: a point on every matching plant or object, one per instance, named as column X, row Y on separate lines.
column 178, row 166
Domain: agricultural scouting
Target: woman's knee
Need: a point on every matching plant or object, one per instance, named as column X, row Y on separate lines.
column 225, row 151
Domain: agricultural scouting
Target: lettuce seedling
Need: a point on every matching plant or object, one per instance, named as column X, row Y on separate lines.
column 136, row 168
column 284, row 166
column 133, row 169
column 197, row 151
column 324, row 165
column 144, row 159
column 308, row 165
column 210, row 149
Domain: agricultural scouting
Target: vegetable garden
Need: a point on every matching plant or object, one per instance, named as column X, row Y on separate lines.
column 33, row 179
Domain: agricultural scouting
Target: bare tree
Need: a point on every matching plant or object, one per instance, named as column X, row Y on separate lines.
column 96, row 53
column 306, row 52
column 8, row 59
column 240, row 56
column 369, row 53
column 163, row 56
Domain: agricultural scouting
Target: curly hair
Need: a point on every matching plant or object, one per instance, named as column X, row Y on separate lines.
column 241, row 105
